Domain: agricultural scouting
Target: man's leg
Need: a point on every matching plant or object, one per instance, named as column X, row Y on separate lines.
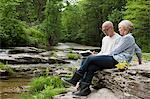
column 79, row 73
column 99, row 63
column 85, row 63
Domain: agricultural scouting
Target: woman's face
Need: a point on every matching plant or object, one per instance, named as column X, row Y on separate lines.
column 122, row 30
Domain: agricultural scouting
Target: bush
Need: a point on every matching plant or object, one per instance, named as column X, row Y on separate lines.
column 11, row 33
column 35, row 37
column 45, row 88
column 16, row 33
column 41, row 83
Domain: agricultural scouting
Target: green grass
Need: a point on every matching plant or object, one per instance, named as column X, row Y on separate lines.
column 7, row 68
column 73, row 56
column 45, row 88
column 41, row 83
column 47, row 93
column 146, row 56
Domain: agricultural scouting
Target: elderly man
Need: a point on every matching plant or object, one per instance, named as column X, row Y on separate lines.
column 110, row 40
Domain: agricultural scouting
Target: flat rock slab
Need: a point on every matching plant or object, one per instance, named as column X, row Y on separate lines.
column 16, row 50
column 74, row 46
column 144, row 66
column 26, row 58
column 103, row 93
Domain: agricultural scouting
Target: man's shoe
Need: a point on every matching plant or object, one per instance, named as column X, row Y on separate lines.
column 84, row 89
column 73, row 81
column 69, row 81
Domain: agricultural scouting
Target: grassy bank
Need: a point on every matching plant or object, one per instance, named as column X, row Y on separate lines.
column 45, row 88
column 146, row 56
column 7, row 68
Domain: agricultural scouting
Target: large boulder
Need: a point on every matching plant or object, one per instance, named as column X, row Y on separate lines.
column 133, row 83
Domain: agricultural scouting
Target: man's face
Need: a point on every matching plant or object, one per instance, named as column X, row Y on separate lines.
column 105, row 30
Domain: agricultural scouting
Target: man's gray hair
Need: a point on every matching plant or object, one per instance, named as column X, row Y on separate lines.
column 108, row 23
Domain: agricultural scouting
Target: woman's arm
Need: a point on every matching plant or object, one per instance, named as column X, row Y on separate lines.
column 125, row 43
column 138, row 53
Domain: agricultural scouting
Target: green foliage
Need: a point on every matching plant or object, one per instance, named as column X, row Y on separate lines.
column 14, row 32
column 35, row 37
column 45, row 88
column 7, row 68
column 81, row 22
column 49, row 92
column 138, row 12
column 11, row 33
column 146, row 56
column 73, row 56
column 8, row 8
column 31, row 11
column 115, row 17
column 41, row 83
column 71, row 23
column 50, row 21
column 26, row 11
column 45, row 94
column 51, row 24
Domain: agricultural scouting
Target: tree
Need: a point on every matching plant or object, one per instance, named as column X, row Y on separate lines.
column 52, row 22
column 11, row 31
column 71, row 23
column 31, row 11
column 15, row 32
column 82, row 21
column 138, row 11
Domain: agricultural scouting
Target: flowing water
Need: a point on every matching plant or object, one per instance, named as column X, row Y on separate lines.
column 12, row 88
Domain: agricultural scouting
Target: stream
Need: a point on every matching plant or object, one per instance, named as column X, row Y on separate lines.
column 30, row 62
column 11, row 88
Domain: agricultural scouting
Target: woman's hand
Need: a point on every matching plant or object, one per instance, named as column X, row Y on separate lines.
column 140, row 61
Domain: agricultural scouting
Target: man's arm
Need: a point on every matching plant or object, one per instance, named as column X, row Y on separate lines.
column 102, row 48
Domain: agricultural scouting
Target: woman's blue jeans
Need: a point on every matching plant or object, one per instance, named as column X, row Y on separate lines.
column 94, row 63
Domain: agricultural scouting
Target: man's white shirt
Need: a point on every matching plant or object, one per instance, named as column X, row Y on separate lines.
column 108, row 44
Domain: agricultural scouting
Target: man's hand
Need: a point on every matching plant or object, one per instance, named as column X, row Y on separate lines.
column 93, row 52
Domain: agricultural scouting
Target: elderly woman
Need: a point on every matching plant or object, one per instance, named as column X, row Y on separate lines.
column 124, row 51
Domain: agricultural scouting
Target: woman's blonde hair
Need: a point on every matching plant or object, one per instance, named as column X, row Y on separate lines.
column 127, row 24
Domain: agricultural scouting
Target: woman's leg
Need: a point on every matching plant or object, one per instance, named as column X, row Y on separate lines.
column 103, row 61
column 99, row 63
column 79, row 73
column 95, row 64
column 85, row 63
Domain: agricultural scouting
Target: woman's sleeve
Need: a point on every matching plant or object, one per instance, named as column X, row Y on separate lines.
column 125, row 43
column 138, row 53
